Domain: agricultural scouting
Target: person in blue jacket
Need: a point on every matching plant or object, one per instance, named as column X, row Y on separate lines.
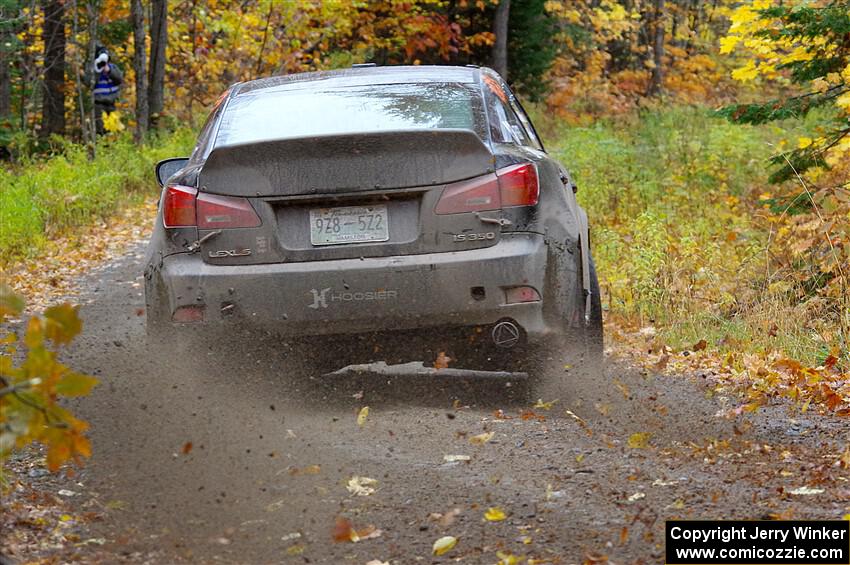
column 107, row 79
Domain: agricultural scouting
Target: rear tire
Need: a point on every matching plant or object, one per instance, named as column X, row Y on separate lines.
column 570, row 366
column 592, row 333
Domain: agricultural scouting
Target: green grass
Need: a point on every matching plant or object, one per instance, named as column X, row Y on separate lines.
column 678, row 240
column 43, row 198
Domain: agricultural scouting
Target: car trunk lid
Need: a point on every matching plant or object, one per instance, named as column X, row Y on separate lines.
column 333, row 164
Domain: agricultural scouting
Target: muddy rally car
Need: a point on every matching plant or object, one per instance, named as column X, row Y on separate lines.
column 413, row 208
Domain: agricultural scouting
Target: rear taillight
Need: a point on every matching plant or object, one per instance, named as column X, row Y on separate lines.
column 516, row 185
column 474, row 195
column 179, row 206
column 184, row 207
column 225, row 212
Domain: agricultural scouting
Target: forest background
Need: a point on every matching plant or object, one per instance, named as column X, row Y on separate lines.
column 709, row 140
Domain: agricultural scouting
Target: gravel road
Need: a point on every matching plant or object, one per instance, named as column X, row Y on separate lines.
column 234, row 454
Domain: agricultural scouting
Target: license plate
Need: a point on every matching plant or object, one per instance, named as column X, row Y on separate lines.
column 349, row 224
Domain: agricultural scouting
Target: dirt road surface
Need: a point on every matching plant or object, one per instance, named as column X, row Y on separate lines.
column 233, row 454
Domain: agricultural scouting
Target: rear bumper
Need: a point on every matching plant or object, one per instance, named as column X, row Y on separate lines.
column 363, row 295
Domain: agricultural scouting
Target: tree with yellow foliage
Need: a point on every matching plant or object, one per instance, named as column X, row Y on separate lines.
column 806, row 44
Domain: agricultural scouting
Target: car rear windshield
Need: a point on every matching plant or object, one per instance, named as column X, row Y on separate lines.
column 289, row 113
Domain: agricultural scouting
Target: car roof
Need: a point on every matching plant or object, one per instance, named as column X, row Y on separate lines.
column 362, row 76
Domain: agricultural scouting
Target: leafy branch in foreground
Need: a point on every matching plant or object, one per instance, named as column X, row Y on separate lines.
column 31, row 381
column 807, row 43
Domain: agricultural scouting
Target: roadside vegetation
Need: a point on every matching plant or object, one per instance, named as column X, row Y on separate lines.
column 42, row 198
column 682, row 231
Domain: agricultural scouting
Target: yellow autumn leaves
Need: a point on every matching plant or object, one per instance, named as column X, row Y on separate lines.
column 768, row 52
column 447, row 543
column 30, row 387
column 112, row 122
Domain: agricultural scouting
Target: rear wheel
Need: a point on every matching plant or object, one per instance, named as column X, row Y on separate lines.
column 591, row 332
column 570, row 365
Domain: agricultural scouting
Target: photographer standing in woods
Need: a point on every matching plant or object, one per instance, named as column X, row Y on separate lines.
column 107, row 79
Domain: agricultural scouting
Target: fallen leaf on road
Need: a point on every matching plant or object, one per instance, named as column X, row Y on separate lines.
column 624, row 390
column 545, row 405
column 447, row 519
column 94, row 541
column 369, row 532
column 639, row 440
column 552, row 493
column 508, row 558
column 362, row 415
column 344, row 532
column 308, row 470
column 844, row 459
column 806, row 491
column 581, row 421
column 187, row 447
column 296, row 549
column 442, row 361
column 444, row 545
column 531, row 415
column 361, row 486
column 494, row 514
column 636, row 496
column 275, row 506
column 481, row 438
column 593, row 558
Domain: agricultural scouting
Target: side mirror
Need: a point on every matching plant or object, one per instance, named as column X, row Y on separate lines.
column 165, row 169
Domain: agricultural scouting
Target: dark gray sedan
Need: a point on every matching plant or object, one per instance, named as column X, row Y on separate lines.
column 377, row 202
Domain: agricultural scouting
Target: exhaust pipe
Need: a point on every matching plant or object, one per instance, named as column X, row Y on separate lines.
column 505, row 334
